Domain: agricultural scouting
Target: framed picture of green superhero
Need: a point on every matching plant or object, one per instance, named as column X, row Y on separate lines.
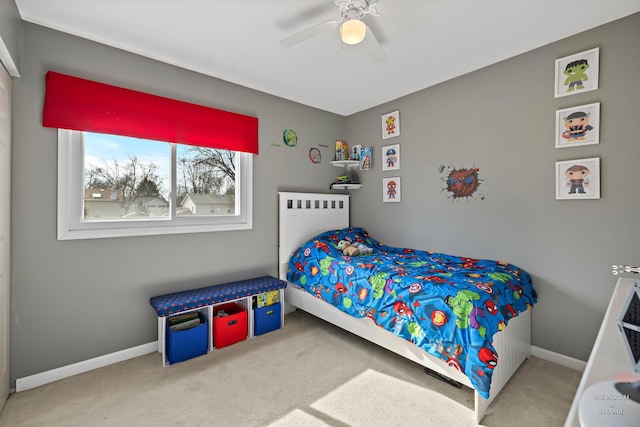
column 577, row 73
column 578, row 126
column 578, row 179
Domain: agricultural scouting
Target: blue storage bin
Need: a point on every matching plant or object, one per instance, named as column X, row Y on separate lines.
column 189, row 343
column 267, row 319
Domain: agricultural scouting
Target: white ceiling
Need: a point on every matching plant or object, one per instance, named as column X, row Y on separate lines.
column 426, row 41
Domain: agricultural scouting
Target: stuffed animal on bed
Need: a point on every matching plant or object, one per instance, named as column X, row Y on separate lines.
column 348, row 248
column 364, row 249
column 352, row 249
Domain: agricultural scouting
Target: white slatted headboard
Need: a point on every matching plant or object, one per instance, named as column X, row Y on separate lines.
column 304, row 215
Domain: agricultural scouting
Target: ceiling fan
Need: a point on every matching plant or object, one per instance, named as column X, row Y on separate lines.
column 353, row 30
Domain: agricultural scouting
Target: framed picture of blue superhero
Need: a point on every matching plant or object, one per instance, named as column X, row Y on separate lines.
column 391, row 157
column 578, row 179
column 577, row 73
column 578, row 126
column 391, row 189
column 391, row 125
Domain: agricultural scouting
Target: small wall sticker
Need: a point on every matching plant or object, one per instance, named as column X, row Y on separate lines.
column 290, row 137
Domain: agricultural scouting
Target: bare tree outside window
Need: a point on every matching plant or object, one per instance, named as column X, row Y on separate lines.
column 132, row 185
column 206, row 181
column 135, row 182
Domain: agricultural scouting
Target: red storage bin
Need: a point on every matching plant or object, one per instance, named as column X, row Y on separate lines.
column 231, row 327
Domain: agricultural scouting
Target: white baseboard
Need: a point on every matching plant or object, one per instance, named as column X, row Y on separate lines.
column 558, row 359
column 46, row 377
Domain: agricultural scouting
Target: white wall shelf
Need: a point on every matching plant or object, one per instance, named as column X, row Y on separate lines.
column 345, row 186
column 347, row 164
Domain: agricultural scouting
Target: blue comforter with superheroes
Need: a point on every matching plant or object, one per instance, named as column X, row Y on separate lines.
column 447, row 305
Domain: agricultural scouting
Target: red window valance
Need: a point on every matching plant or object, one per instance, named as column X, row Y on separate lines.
column 79, row 104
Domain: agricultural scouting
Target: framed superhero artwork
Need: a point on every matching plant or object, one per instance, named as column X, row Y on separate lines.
column 391, row 157
column 578, row 179
column 578, row 126
column 577, row 73
column 391, row 125
column 391, row 189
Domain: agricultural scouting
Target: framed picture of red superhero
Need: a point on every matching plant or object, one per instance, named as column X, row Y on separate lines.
column 391, row 125
column 391, row 189
column 577, row 73
column 578, row 179
column 578, row 126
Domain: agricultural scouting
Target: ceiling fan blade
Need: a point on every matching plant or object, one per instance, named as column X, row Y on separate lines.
column 310, row 14
column 372, row 48
column 309, row 33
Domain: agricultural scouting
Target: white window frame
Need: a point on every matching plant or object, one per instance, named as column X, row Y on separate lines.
column 72, row 225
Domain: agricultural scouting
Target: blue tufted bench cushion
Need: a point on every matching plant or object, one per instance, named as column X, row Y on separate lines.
column 177, row 302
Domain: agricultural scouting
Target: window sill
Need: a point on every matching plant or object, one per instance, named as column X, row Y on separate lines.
column 96, row 233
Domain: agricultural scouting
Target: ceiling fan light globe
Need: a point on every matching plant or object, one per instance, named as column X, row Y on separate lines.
column 353, row 31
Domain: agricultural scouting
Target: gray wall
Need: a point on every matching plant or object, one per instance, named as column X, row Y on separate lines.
column 74, row 300
column 501, row 120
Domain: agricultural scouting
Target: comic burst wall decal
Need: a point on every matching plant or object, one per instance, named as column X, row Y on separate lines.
column 461, row 183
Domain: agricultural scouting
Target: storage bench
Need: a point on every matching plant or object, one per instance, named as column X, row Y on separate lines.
column 206, row 300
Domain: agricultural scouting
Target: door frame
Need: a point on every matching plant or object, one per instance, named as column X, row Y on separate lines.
column 5, row 235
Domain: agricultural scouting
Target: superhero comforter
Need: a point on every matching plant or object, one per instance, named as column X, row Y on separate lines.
column 447, row 305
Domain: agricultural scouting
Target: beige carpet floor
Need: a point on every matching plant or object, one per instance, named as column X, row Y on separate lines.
column 307, row 373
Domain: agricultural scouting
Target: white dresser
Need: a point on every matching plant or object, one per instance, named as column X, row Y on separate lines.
column 608, row 358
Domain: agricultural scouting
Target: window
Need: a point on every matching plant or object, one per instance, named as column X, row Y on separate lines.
column 110, row 186
column 152, row 185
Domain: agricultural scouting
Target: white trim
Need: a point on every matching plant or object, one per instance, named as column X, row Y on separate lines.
column 7, row 60
column 36, row 380
column 6, row 103
column 558, row 359
column 46, row 377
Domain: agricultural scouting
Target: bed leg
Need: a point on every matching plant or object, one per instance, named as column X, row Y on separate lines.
column 480, row 406
column 442, row 378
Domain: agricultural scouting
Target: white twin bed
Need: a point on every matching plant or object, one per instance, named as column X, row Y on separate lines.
column 303, row 216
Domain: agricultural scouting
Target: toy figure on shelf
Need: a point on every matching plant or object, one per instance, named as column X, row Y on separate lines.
column 342, row 150
column 355, row 152
column 365, row 158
